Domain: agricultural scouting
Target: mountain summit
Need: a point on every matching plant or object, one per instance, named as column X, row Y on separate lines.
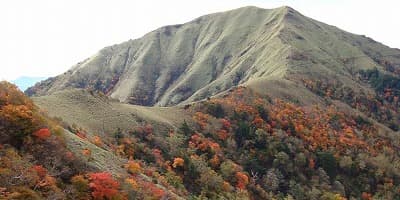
column 204, row 57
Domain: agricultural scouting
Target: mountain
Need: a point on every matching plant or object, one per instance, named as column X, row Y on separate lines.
column 24, row 82
column 261, row 104
column 201, row 58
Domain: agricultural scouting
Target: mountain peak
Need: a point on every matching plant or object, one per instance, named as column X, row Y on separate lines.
column 204, row 57
column 282, row 8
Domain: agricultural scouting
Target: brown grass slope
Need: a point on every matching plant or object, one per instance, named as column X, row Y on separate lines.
column 99, row 115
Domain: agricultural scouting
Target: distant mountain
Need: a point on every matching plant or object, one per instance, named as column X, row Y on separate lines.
column 24, row 82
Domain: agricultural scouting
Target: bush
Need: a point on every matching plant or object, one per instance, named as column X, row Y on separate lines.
column 22, row 193
column 185, row 129
column 80, row 183
column 216, row 110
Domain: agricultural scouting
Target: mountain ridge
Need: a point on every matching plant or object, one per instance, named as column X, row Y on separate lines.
column 187, row 62
column 166, row 30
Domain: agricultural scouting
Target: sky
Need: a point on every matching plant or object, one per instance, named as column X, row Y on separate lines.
column 44, row 38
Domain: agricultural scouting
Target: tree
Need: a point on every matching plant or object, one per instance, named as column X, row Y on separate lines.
column 241, row 180
column 103, row 185
column 211, row 181
column 216, row 110
column 97, row 141
column 185, row 129
column 133, row 167
column 40, row 170
column 272, row 180
column 178, row 162
column 226, row 124
column 17, row 121
column 10, row 94
column 328, row 162
column 42, row 134
column 18, row 116
column 242, row 133
column 80, row 183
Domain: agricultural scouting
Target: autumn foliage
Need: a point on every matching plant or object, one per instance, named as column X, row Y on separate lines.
column 133, row 167
column 97, row 141
column 103, row 186
column 255, row 148
column 178, row 162
column 42, row 134
column 18, row 116
column 40, row 170
column 242, row 180
column 152, row 191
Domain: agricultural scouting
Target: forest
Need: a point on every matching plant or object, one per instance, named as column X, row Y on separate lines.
column 238, row 146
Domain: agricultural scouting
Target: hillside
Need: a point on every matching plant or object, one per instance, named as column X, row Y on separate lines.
column 243, row 145
column 201, row 58
column 41, row 159
column 246, row 104
column 99, row 114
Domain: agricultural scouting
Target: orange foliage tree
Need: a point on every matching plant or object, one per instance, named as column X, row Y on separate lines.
column 133, row 167
column 201, row 119
column 178, row 162
column 16, row 111
column 242, row 180
column 97, row 141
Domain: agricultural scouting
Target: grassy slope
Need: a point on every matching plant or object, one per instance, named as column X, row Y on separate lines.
column 193, row 60
column 91, row 111
column 101, row 159
column 188, row 62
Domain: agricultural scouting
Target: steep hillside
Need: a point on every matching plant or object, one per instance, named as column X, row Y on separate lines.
column 241, row 145
column 40, row 159
column 171, row 64
column 201, row 58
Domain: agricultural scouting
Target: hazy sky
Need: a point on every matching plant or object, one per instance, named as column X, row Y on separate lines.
column 46, row 37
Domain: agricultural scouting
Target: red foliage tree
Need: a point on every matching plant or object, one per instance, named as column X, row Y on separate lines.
column 43, row 133
column 366, row 196
column 152, row 190
column 40, row 170
column 226, row 124
column 103, row 185
column 82, row 135
column 242, row 180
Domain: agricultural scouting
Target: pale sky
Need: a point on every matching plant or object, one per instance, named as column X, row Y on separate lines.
column 47, row 37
